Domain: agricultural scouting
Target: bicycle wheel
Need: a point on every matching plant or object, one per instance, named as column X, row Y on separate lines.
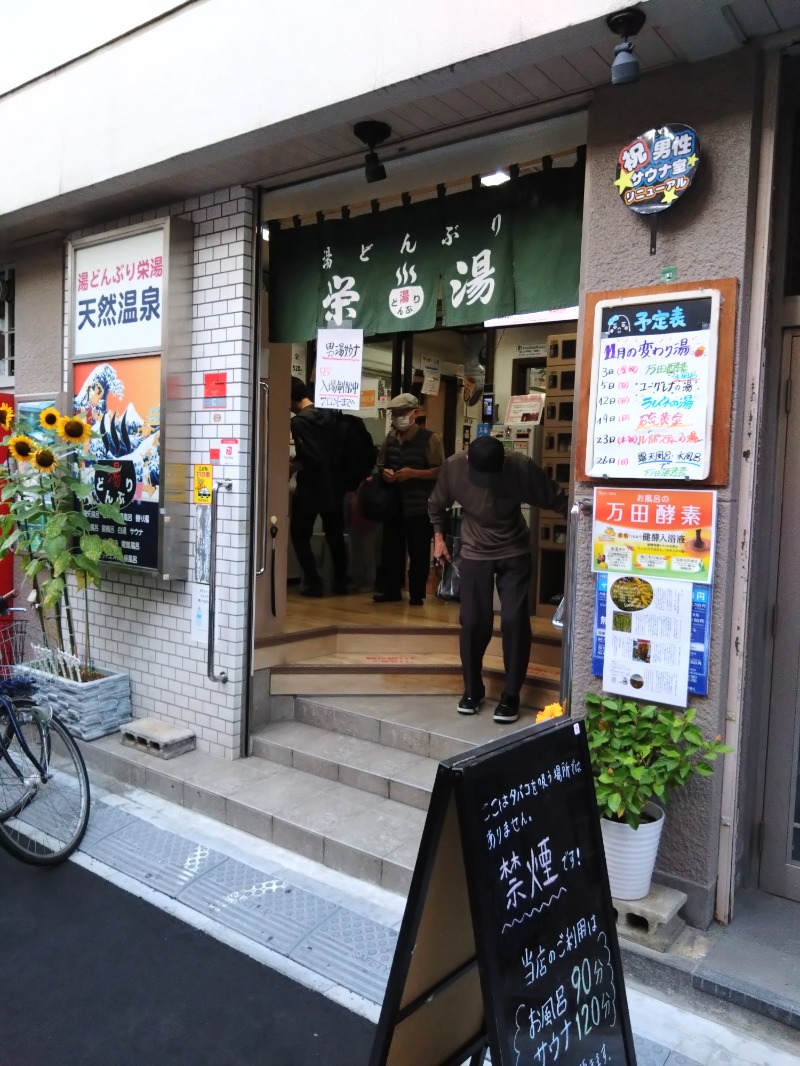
column 52, row 819
column 15, row 764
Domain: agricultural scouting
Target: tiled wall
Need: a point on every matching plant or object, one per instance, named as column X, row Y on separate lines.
column 140, row 623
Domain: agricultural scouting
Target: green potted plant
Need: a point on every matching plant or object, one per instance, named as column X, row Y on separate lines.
column 640, row 753
column 46, row 527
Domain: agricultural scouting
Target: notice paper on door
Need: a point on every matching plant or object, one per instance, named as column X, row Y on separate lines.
column 648, row 627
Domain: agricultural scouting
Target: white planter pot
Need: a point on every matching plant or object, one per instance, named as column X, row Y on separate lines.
column 631, row 853
column 89, row 709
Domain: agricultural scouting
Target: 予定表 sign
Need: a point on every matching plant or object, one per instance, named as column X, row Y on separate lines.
column 651, row 406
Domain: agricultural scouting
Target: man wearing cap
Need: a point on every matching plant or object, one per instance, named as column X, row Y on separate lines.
column 410, row 458
column 490, row 486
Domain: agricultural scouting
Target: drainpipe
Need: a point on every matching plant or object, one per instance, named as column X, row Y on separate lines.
column 756, row 354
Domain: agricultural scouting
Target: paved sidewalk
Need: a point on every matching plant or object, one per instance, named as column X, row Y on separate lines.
column 326, row 930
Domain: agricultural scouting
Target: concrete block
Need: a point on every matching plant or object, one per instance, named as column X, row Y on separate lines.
column 157, row 738
column 652, row 921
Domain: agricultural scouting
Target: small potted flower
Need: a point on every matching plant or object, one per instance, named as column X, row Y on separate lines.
column 47, row 528
column 640, row 753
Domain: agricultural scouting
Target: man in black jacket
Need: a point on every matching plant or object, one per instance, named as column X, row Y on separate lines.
column 490, row 487
column 317, row 491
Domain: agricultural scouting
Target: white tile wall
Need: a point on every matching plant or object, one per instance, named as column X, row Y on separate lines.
column 139, row 622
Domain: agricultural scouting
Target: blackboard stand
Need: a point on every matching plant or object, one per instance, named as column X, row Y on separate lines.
column 508, row 942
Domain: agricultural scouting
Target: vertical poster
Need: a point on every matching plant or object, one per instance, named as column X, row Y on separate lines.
column 121, row 401
column 648, row 627
column 699, row 647
column 651, row 406
column 340, row 353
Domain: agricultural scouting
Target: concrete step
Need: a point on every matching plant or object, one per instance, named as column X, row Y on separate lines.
column 349, row 829
column 430, row 728
column 375, row 673
column 391, row 772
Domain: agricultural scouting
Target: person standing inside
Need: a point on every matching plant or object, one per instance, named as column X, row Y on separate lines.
column 490, row 485
column 410, row 458
column 317, row 493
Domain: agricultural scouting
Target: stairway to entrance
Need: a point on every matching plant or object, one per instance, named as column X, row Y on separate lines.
column 359, row 719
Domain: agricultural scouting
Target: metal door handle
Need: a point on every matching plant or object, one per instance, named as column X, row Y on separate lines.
column 222, row 676
column 564, row 618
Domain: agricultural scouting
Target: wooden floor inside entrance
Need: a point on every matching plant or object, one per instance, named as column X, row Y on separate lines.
column 304, row 615
column 349, row 645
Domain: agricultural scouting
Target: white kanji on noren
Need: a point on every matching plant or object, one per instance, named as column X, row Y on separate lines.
column 341, row 294
column 479, row 286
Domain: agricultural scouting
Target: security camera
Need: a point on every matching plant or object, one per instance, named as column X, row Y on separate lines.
column 625, row 67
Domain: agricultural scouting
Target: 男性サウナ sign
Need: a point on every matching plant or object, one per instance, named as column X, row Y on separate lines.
column 656, row 168
column 651, row 405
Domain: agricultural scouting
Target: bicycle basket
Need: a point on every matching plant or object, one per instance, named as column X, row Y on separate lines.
column 13, row 632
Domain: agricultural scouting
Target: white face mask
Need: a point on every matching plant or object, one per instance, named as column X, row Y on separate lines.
column 401, row 422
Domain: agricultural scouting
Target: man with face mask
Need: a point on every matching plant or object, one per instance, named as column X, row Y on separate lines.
column 410, row 458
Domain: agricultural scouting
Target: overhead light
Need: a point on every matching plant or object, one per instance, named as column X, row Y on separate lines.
column 625, row 24
column 500, row 177
column 265, row 233
column 558, row 314
column 372, row 133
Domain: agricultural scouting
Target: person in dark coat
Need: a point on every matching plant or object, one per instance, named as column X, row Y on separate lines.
column 410, row 458
column 490, row 485
column 317, row 493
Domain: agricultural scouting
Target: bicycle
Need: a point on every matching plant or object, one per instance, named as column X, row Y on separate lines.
column 44, row 786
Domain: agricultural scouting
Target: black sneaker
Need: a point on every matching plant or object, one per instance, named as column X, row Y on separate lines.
column 312, row 590
column 507, row 710
column 382, row 597
column 469, row 704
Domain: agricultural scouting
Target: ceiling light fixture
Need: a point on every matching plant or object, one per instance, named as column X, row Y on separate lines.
column 500, row 177
column 625, row 24
column 372, row 133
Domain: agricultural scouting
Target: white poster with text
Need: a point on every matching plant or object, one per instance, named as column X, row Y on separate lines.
column 648, row 628
column 340, row 353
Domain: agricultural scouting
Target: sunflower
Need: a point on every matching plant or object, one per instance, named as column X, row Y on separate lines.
column 21, row 448
column 45, row 460
column 6, row 417
column 73, row 429
column 49, row 418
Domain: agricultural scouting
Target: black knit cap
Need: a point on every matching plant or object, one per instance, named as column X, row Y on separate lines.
column 485, row 457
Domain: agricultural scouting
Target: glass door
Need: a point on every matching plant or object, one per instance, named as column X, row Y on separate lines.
column 780, row 861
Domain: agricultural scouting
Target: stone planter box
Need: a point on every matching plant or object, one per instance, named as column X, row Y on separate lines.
column 89, row 709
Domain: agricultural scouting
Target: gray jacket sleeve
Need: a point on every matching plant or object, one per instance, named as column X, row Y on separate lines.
column 542, row 491
column 440, row 500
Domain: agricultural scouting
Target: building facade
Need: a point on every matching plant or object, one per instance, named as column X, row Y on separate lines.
column 197, row 113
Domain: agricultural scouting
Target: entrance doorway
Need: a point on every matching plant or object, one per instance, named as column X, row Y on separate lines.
column 780, row 862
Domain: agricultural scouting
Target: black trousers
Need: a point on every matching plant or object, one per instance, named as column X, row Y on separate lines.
column 301, row 529
column 411, row 535
column 477, row 618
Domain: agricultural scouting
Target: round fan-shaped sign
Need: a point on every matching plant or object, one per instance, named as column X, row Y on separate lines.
column 657, row 168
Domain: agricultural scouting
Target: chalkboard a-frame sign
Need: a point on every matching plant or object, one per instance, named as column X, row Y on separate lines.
column 509, row 941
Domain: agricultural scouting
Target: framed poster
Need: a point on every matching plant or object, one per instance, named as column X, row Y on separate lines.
column 655, row 402
column 129, row 307
column 121, row 401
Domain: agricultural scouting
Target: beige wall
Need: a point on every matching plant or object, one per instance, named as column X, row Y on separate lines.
column 39, row 287
column 706, row 236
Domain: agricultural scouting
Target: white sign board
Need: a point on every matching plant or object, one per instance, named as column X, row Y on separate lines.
column 431, row 377
column 199, row 623
column 117, row 295
column 299, row 361
column 532, row 351
column 648, row 632
column 340, row 353
column 651, row 408
column 525, row 410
